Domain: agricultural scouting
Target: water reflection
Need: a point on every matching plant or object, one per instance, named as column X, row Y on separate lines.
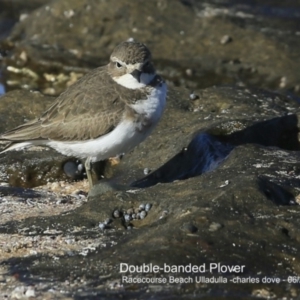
column 274, row 9
column 206, row 151
column 2, row 89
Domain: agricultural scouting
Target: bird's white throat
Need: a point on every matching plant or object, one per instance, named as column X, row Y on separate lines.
column 130, row 82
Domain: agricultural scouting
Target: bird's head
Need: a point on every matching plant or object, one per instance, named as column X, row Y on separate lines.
column 131, row 65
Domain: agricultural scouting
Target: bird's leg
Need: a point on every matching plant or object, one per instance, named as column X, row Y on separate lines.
column 88, row 170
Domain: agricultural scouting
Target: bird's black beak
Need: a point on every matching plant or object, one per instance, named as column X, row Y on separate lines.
column 137, row 75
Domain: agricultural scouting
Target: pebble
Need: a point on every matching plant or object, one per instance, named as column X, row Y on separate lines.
column 214, row 226
column 193, row 96
column 146, row 171
column 189, row 72
column 30, row 292
column 73, row 169
column 225, row 39
column 130, row 211
column 129, row 214
column 18, row 292
column 70, row 168
column 283, row 82
column 23, row 17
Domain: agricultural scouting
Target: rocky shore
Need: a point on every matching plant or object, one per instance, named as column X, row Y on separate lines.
column 216, row 187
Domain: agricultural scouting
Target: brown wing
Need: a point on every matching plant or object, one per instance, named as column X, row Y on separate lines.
column 88, row 109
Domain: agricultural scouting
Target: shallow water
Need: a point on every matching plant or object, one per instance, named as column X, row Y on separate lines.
column 2, row 85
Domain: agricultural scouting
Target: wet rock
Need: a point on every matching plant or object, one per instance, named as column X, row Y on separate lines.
column 210, row 128
column 202, row 155
column 20, row 106
column 89, row 30
column 276, row 193
column 261, row 171
column 11, row 12
column 18, row 7
column 242, row 207
column 33, row 168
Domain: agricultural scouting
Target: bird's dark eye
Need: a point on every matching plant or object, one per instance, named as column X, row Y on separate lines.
column 118, row 65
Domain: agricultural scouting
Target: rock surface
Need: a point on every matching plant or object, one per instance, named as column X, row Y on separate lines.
column 207, row 44
column 215, row 217
column 217, row 182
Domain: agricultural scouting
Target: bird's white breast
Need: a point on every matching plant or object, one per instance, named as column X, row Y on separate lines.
column 153, row 107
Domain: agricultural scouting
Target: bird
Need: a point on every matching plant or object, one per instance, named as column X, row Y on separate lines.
column 106, row 113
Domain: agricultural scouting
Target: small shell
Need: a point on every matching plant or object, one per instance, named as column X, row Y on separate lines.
column 107, row 221
column 193, row 96
column 142, row 206
column 148, row 206
column 130, row 211
column 30, row 292
column 127, row 217
column 143, row 214
column 102, row 226
column 117, row 213
column 80, row 167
